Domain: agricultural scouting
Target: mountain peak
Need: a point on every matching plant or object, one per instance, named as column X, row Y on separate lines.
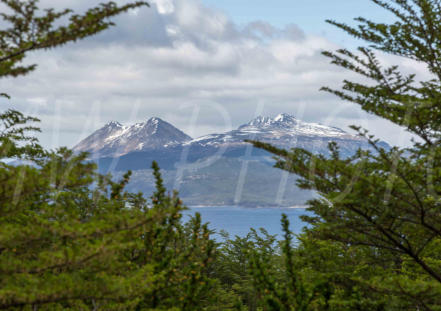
column 115, row 139
column 113, row 124
column 283, row 119
column 286, row 124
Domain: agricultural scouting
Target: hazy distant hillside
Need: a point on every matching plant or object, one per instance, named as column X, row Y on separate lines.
column 220, row 184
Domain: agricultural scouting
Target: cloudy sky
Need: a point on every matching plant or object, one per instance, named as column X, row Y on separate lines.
column 203, row 65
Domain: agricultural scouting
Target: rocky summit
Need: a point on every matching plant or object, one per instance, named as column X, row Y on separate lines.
column 114, row 139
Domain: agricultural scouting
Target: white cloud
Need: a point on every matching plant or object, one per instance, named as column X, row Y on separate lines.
column 179, row 58
column 164, row 6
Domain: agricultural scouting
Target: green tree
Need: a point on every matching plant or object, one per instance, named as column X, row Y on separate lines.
column 57, row 237
column 282, row 280
column 71, row 238
column 60, row 240
column 181, row 254
column 234, row 266
column 386, row 204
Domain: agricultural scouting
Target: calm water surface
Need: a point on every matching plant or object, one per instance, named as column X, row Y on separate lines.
column 239, row 220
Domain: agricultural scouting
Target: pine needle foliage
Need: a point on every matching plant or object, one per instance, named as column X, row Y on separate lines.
column 385, row 204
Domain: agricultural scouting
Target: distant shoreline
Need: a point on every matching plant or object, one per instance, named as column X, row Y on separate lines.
column 249, row 207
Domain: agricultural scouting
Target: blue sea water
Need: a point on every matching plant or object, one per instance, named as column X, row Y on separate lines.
column 239, row 220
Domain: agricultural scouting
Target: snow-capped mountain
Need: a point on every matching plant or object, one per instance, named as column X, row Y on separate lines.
column 207, row 170
column 288, row 124
column 158, row 137
column 284, row 131
column 115, row 139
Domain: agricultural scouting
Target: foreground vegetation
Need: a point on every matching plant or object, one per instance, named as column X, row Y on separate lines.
column 72, row 239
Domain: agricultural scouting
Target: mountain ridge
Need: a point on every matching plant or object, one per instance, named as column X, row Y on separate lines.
column 217, row 169
column 284, row 130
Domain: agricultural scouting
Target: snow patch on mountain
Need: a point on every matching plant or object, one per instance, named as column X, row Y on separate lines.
column 283, row 130
column 290, row 125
